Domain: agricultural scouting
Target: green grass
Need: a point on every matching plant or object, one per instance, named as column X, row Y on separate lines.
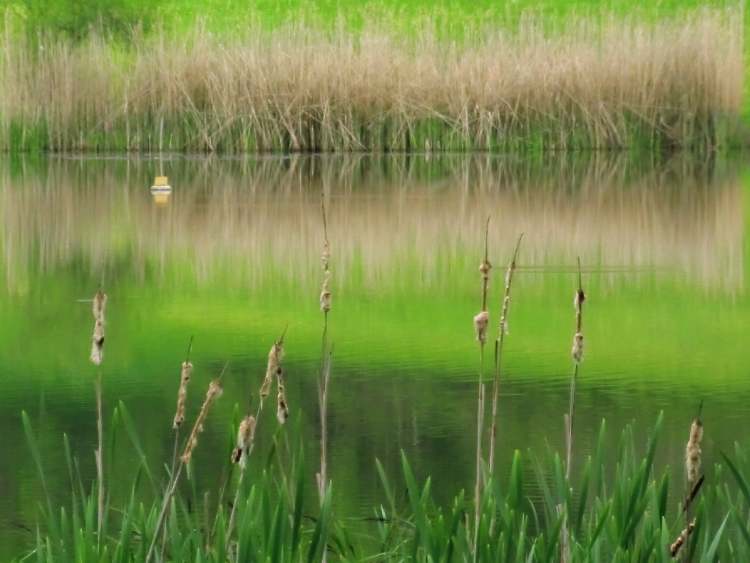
column 623, row 512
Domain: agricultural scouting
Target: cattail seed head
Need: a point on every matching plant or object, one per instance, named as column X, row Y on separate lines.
column 693, row 451
column 245, row 436
column 577, row 351
column 282, row 409
column 481, row 321
column 97, row 343
column 325, row 294
column 98, row 305
column 213, row 393
column 275, row 356
column 325, row 257
column 185, row 373
column 578, row 299
column 484, row 269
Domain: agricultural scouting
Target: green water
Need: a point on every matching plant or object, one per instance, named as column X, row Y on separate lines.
column 233, row 256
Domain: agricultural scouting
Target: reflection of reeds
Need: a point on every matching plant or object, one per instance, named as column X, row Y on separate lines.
column 594, row 82
column 235, row 220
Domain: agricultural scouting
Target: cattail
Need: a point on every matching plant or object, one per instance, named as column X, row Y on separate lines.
column 578, row 300
column 99, row 303
column 693, row 451
column 275, row 356
column 484, row 269
column 185, row 373
column 481, row 321
column 213, row 393
column 245, row 436
column 504, row 317
column 325, row 294
column 97, row 343
column 577, row 351
column 325, row 257
column 282, row 409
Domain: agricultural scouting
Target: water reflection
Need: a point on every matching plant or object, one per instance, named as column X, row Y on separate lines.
column 244, row 221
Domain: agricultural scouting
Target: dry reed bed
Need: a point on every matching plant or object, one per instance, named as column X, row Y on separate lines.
column 603, row 82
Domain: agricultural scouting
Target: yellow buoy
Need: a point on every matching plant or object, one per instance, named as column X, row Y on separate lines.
column 161, row 190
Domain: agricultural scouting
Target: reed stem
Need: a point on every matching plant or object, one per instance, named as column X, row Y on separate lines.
column 214, row 390
column 99, row 456
column 577, row 354
column 503, row 330
column 480, row 324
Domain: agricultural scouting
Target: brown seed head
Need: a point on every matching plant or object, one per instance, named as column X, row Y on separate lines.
column 97, row 343
column 185, row 373
column 484, row 268
column 275, row 356
column 578, row 299
column 282, row 409
column 481, row 321
column 99, row 304
column 213, row 393
column 325, row 294
column 245, row 436
column 577, row 351
column 693, row 451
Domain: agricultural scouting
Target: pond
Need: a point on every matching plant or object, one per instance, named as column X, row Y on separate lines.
column 232, row 257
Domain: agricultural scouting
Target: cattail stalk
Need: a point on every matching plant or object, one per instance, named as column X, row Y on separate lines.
column 481, row 321
column 693, row 460
column 500, row 340
column 577, row 355
column 246, row 434
column 99, row 304
column 186, row 371
column 275, row 357
column 213, row 393
column 682, row 539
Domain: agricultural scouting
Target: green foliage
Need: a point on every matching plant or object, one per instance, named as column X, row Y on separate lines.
column 620, row 513
column 76, row 18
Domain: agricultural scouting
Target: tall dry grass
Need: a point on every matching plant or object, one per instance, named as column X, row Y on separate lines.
column 595, row 82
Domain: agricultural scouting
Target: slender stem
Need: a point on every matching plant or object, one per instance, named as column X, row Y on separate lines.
column 164, row 507
column 485, row 269
column 325, row 376
column 480, row 427
column 237, row 494
column 326, row 354
column 499, row 352
column 99, row 456
column 578, row 301
column 233, row 513
column 176, row 477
